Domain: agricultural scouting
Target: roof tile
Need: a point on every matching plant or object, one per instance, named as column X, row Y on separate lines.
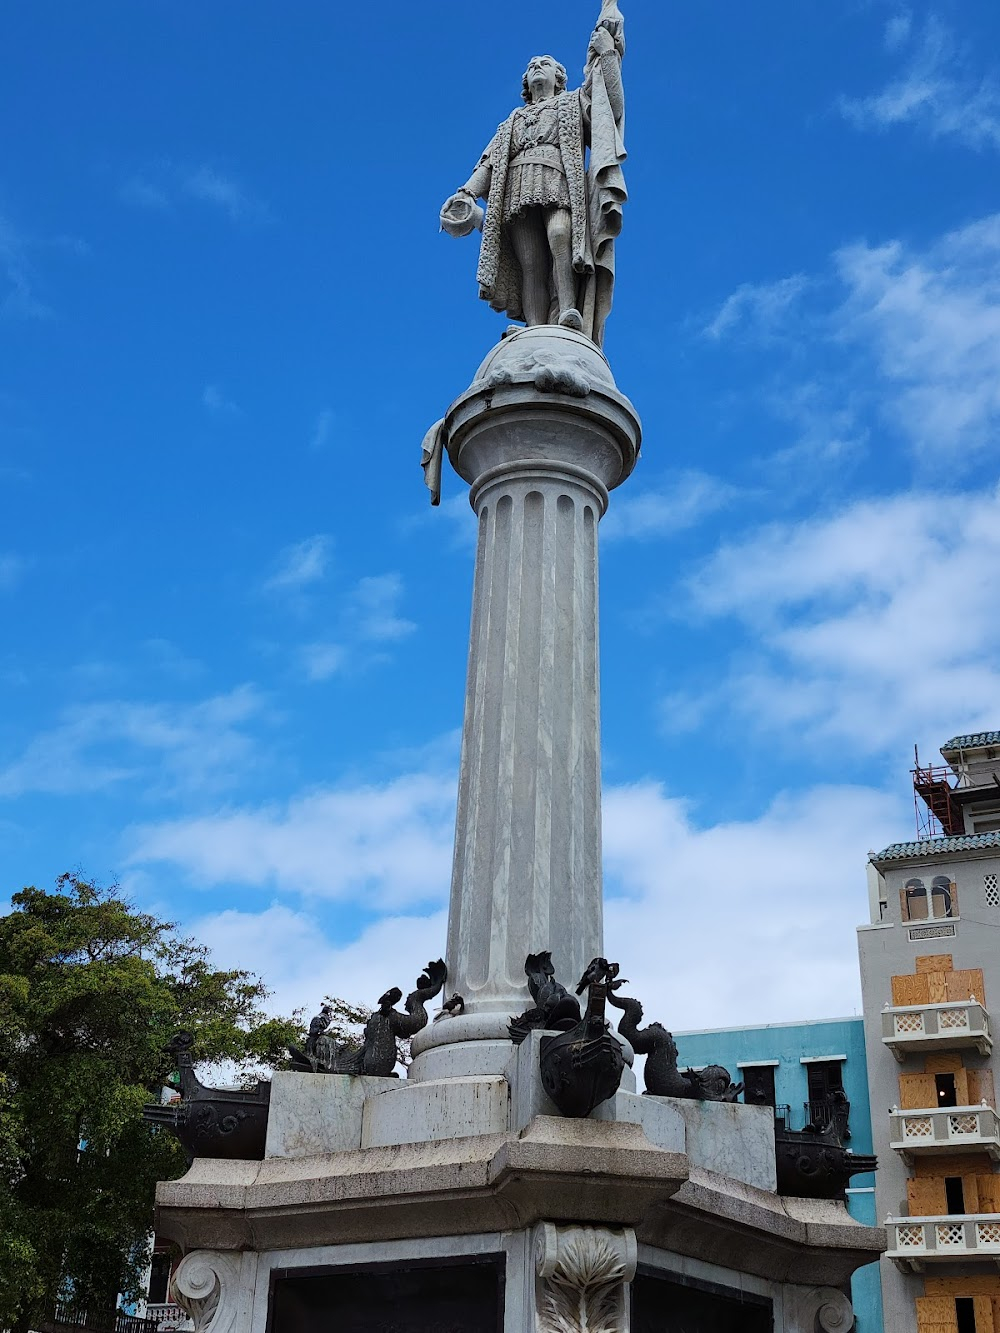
column 964, row 842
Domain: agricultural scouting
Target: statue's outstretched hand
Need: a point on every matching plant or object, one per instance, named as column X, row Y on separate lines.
column 461, row 215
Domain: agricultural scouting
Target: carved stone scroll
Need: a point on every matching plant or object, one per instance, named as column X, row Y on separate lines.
column 206, row 1285
column 582, row 1277
column 818, row 1310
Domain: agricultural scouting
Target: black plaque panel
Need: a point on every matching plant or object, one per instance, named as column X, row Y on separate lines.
column 672, row 1305
column 459, row 1297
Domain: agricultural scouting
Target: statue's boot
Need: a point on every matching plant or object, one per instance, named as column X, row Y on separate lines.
column 571, row 319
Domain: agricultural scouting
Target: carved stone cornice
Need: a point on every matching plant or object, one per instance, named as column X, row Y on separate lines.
column 582, row 1277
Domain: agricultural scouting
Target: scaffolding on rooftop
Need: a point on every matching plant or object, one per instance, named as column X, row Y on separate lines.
column 934, row 802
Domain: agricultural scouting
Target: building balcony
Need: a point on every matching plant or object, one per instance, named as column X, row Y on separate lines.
column 940, row 1130
column 918, row 1028
column 915, row 1242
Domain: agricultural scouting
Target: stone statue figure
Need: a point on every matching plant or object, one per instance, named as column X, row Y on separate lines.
column 553, row 211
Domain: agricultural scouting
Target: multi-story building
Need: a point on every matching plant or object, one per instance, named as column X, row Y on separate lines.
column 809, row 1072
column 930, row 971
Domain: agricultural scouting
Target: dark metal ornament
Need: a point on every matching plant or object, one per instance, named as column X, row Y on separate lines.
column 212, row 1122
column 813, row 1163
column 583, row 1066
column 554, row 1010
column 376, row 1056
column 663, row 1078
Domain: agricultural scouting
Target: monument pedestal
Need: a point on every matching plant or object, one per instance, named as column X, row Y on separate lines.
column 459, row 1199
column 627, row 1212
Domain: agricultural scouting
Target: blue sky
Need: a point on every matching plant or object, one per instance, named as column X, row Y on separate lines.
column 234, row 634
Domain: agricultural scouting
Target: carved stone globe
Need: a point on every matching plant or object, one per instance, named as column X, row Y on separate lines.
column 544, row 393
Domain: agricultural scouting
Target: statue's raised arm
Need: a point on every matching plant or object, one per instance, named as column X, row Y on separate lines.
column 553, row 212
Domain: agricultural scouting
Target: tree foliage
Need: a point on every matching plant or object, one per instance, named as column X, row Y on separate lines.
column 91, row 991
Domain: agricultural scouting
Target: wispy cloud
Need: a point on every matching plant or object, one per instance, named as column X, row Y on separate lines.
column 214, row 187
column 792, row 904
column 139, row 192
column 761, row 308
column 301, row 565
column 165, row 185
column 374, row 609
column 690, row 498
column 937, row 92
column 18, row 295
column 322, row 431
column 217, row 403
column 873, row 627
column 390, row 844
column 321, row 661
column 172, row 747
column 913, row 332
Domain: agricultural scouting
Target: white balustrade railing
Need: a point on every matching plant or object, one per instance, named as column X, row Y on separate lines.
column 916, row 1241
column 943, row 1129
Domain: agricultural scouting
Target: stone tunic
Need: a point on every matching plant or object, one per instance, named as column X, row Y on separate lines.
column 536, row 178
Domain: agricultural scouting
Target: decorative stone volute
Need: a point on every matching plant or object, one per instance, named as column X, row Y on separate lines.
column 206, row 1285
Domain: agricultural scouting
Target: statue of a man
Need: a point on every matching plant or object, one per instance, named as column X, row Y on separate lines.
column 552, row 212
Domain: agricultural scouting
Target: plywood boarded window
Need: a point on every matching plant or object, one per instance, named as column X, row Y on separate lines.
column 927, row 1198
column 966, row 984
column 944, row 897
column 936, row 1314
column 917, row 1091
column 989, row 1193
column 911, row 990
column 913, row 900
column 980, row 1082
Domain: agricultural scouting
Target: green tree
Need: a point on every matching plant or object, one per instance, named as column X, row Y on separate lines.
column 91, row 991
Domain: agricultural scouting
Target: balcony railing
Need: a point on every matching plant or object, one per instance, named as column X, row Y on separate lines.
column 945, row 1129
column 917, row 1241
column 818, row 1116
column 953, row 1026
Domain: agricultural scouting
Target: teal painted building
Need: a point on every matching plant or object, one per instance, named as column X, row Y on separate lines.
column 793, row 1064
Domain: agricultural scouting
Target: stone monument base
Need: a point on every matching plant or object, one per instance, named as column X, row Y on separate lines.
column 469, row 1204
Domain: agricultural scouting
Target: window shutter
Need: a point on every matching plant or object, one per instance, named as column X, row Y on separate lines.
column 936, row 1314
column 917, row 1092
column 911, row 990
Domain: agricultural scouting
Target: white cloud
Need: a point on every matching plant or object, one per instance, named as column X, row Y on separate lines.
column 178, row 747
column 18, row 295
column 142, row 193
column 164, row 184
column 690, row 498
column 876, row 627
column 762, row 307
column 301, row 967
column 910, row 334
column 217, row 403
column 323, row 660
column 374, row 606
column 745, row 921
column 300, row 565
column 936, row 92
column 932, row 322
column 388, row 845
column 213, row 187
column 756, row 918
column 322, row 431
column 898, row 30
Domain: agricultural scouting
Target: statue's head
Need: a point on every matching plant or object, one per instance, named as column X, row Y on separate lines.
column 390, row 998
column 544, row 77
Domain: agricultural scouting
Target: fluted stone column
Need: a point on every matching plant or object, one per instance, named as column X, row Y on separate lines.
column 541, row 436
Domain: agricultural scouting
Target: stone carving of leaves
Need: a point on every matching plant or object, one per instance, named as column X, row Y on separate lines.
column 583, row 1295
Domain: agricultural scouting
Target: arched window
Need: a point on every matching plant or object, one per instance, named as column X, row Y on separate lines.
column 941, row 896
